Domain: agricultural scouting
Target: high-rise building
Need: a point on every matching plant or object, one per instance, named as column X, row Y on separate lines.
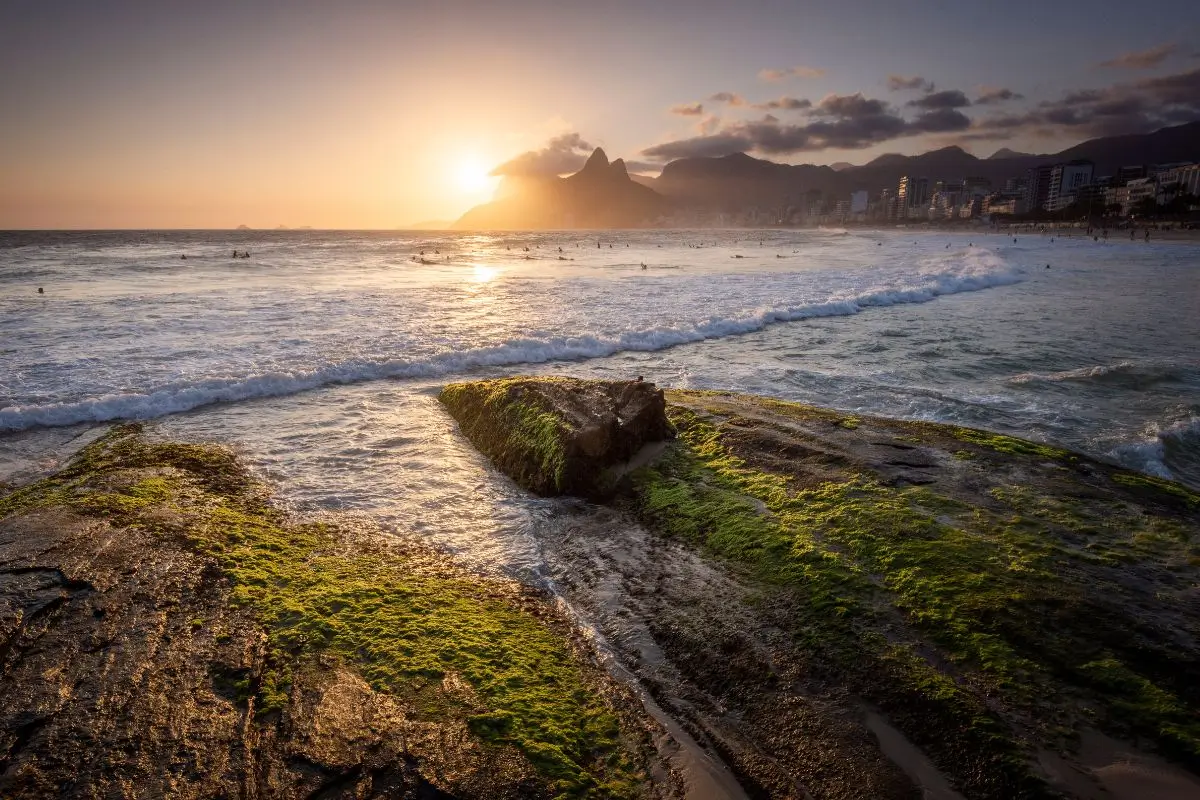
column 1133, row 172
column 912, row 196
column 1037, row 189
column 858, row 202
column 1065, row 180
column 977, row 187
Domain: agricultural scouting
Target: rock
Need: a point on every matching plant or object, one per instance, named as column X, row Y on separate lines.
column 165, row 631
column 560, row 435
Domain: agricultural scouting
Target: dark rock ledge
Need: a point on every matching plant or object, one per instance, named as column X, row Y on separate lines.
column 1022, row 620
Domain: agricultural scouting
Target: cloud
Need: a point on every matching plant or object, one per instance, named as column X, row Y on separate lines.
column 849, row 106
column 1138, row 107
column 898, row 83
column 989, row 95
column 728, row 98
column 950, row 98
column 841, row 122
column 942, row 120
column 785, row 104
column 565, row 153
column 688, row 109
column 709, row 124
column 776, row 75
column 703, row 146
column 1142, row 59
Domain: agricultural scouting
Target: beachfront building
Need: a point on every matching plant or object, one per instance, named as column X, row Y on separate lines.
column 912, row 196
column 1178, row 181
column 976, row 187
column 1065, row 180
column 1037, row 183
column 1138, row 191
column 1004, row 204
column 858, row 202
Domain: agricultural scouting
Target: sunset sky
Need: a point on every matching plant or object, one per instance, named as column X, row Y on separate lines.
column 380, row 114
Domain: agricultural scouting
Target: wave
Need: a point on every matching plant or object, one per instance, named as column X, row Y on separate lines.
column 984, row 271
column 1126, row 374
column 1173, row 452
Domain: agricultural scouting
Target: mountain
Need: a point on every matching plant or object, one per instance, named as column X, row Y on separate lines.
column 1004, row 152
column 838, row 166
column 601, row 195
column 1164, row 146
column 740, row 181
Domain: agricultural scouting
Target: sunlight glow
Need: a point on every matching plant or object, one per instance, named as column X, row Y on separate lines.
column 484, row 274
column 471, row 175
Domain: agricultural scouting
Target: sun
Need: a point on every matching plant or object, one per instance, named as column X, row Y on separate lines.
column 471, row 175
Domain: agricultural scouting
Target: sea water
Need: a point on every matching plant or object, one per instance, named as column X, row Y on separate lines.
column 320, row 356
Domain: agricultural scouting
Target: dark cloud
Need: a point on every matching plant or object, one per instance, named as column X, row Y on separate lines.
column 942, row 120
column 562, row 154
column 688, row 109
column 703, row 146
column 849, row 106
column 1139, row 107
column 1142, row 59
column 990, row 96
column 729, row 98
column 776, row 75
column 950, row 98
column 899, row 83
column 785, row 104
column 842, row 122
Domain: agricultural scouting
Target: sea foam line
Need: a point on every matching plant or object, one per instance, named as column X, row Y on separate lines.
column 517, row 351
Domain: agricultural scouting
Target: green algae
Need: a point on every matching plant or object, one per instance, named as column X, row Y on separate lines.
column 406, row 621
column 1006, row 594
column 1009, row 445
column 1158, row 488
column 525, row 440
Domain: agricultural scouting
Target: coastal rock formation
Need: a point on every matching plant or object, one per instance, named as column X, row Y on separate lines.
column 825, row 596
column 559, row 435
column 166, row 631
column 601, row 195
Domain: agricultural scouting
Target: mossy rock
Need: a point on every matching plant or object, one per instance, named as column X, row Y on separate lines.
column 559, row 435
column 167, row 613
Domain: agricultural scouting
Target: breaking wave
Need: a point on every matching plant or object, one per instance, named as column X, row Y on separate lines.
column 983, row 271
column 1125, row 374
column 1172, row 452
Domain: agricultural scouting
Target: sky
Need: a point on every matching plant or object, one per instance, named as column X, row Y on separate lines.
column 177, row 114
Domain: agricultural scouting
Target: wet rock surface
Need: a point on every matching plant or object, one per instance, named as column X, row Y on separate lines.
column 834, row 605
column 164, row 632
column 560, row 435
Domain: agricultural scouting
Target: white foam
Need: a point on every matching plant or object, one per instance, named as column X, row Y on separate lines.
column 978, row 271
column 1151, row 456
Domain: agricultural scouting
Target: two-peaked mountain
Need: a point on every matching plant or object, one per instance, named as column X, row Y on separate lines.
column 601, row 195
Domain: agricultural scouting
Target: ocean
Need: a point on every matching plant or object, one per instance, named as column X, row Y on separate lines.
column 319, row 357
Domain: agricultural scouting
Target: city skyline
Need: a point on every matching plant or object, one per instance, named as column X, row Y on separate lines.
column 381, row 114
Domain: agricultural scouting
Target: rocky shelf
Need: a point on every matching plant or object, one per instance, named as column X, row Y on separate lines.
column 1016, row 618
column 832, row 606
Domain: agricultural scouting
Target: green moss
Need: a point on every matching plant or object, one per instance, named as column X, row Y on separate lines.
column 1009, row 444
column 1009, row 599
column 830, row 544
column 406, row 622
column 1158, row 488
column 523, row 439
